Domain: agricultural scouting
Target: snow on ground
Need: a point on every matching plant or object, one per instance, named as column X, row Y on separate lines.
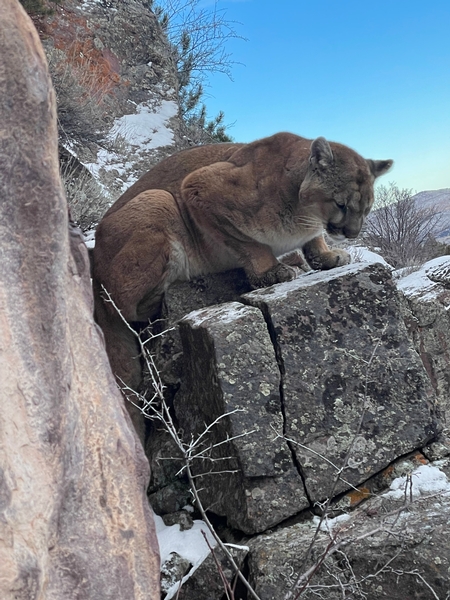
column 424, row 481
column 189, row 544
column 136, row 135
column 90, row 3
column 89, row 239
column 410, row 283
column 360, row 254
column 419, row 283
column 330, row 524
column 225, row 313
column 146, row 128
column 282, row 290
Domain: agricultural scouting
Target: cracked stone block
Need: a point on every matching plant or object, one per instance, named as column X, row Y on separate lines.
column 231, row 369
column 276, row 560
column 182, row 298
column 354, row 391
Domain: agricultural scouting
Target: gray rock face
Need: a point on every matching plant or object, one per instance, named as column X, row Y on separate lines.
column 394, row 547
column 173, row 570
column 207, row 583
column 354, row 390
column 231, row 370
column 323, row 377
column 355, row 367
column 74, row 518
column 427, row 296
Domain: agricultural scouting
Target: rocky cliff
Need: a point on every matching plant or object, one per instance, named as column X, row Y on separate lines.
column 117, row 91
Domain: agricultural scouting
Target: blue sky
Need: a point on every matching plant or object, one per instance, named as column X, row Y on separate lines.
column 372, row 75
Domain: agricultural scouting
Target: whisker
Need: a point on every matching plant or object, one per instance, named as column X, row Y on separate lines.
column 305, row 220
column 308, row 218
column 309, row 222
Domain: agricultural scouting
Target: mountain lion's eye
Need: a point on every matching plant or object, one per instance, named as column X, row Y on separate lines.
column 340, row 204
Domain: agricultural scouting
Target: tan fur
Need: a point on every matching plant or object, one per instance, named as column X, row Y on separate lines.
column 217, row 207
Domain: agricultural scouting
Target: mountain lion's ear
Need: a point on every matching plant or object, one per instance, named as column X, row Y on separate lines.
column 379, row 167
column 321, row 155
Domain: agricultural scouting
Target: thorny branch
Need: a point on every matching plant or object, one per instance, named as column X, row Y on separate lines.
column 156, row 408
column 228, row 591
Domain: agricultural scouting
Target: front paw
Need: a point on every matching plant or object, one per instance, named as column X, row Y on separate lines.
column 330, row 260
column 295, row 259
column 277, row 274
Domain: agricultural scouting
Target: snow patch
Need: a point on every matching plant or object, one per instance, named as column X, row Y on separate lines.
column 146, row 128
column 282, row 290
column 361, row 254
column 91, row 3
column 226, row 313
column 423, row 481
column 138, row 134
column 330, row 524
column 89, row 238
column 189, row 544
column 238, row 547
column 418, row 283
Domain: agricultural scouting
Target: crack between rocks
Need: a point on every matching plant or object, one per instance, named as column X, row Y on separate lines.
column 280, row 362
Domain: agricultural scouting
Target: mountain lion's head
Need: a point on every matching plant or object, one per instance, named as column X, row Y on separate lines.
column 338, row 187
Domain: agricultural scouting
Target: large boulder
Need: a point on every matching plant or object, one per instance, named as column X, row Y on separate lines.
column 74, row 518
column 321, row 387
column 231, row 377
column 355, row 393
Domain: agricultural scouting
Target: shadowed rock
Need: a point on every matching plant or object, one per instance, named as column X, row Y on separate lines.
column 428, row 321
column 394, row 547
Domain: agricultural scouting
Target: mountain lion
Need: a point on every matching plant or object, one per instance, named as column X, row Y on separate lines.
column 217, row 207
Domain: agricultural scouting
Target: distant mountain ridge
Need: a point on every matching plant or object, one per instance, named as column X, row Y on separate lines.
column 437, row 199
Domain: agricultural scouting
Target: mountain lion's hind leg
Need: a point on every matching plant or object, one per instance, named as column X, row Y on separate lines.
column 135, row 279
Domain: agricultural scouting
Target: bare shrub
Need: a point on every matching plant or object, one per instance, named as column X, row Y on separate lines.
column 198, row 36
column 81, row 92
column 85, row 196
column 399, row 230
